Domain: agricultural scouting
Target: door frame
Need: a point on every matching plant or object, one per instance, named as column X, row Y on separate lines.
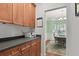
column 44, row 24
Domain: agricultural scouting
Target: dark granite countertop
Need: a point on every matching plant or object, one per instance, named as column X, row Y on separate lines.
column 8, row 44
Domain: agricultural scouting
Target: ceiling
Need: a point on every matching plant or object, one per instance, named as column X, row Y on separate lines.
column 56, row 14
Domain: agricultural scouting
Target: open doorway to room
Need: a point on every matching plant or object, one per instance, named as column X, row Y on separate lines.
column 55, row 30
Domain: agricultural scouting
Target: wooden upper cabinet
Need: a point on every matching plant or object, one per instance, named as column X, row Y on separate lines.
column 29, row 15
column 32, row 16
column 18, row 13
column 6, row 12
column 26, row 14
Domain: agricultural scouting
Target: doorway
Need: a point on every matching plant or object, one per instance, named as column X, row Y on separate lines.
column 55, row 32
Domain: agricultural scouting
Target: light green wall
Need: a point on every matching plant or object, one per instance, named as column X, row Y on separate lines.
column 51, row 25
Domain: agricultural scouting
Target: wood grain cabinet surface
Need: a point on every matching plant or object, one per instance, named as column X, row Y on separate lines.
column 25, row 49
column 24, row 14
column 6, row 12
column 33, row 49
column 32, row 16
column 29, row 15
column 5, row 53
column 36, row 47
column 18, row 13
column 11, row 52
column 15, row 51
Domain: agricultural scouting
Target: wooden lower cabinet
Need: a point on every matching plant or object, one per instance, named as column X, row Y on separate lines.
column 33, row 51
column 31, row 48
column 25, row 49
column 5, row 53
column 36, row 47
column 11, row 52
column 15, row 51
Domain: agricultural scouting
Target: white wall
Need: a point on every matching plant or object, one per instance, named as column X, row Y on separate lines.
column 10, row 30
column 73, row 30
column 72, row 26
column 7, row 30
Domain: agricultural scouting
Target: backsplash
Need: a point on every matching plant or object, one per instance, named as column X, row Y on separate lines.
column 10, row 30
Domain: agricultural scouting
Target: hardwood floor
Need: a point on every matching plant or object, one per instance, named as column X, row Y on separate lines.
column 53, row 50
column 52, row 54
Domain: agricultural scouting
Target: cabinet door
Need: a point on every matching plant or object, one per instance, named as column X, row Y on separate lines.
column 15, row 51
column 38, row 47
column 27, row 14
column 32, row 20
column 33, row 50
column 6, row 12
column 25, row 49
column 18, row 13
column 34, row 14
